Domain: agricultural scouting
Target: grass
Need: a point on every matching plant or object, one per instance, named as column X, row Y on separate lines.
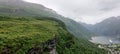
column 15, row 31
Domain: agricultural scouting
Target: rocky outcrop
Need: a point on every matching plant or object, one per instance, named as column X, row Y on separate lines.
column 46, row 47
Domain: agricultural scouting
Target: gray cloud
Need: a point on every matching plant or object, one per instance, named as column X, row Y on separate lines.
column 109, row 4
column 89, row 11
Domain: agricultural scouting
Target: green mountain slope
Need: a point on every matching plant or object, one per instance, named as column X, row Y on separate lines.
column 21, row 8
column 19, row 35
column 77, row 29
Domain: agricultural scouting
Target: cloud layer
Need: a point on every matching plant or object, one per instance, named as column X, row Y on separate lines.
column 88, row 11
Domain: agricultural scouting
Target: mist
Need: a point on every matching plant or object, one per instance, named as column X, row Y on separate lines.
column 88, row 11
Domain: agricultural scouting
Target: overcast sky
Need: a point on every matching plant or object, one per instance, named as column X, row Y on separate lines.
column 88, row 11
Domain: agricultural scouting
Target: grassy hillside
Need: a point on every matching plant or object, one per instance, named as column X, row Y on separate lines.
column 21, row 8
column 18, row 35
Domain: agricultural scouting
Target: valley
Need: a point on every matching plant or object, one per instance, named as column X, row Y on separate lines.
column 107, row 34
column 29, row 28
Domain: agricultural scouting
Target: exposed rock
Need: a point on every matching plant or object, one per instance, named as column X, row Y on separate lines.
column 48, row 46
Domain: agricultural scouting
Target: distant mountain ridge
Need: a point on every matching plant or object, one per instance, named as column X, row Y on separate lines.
column 108, row 27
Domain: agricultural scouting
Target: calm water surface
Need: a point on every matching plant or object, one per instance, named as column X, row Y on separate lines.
column 105, row 40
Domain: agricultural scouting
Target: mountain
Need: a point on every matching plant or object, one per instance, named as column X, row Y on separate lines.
column 87, row 26
column 27, row 28
column 108, row 27
column 21, row 8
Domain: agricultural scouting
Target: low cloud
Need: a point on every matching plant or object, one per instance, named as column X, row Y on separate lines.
column 88, row 11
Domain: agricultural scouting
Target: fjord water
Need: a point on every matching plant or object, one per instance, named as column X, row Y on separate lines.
column 105, row 39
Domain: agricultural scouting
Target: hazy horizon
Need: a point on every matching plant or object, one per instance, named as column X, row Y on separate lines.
column 87, row 11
